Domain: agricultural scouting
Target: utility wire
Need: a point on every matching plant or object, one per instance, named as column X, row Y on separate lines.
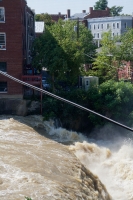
column 64, row 100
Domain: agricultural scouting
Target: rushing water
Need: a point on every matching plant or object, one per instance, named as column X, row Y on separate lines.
column 42, row 168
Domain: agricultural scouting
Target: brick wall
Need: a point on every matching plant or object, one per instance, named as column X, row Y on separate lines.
column 98, row 13
column 15, row 54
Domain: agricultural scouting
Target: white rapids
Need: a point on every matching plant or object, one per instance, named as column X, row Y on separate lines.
column 42, row 168
column 34, row 166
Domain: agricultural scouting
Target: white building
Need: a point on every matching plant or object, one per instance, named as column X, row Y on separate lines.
column 118, row 25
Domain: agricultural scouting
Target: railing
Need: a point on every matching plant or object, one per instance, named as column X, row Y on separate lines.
column 33, row 80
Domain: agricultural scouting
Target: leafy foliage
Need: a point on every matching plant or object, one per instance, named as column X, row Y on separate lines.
column 111, row 99
column 106, row 64
column 126, row 48
column 115, row 11
column 44, row 17
column 27, row 198
column 101, row 5
column 114, row 100
column 61, row 52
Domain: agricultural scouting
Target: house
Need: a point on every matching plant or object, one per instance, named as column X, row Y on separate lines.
column 84, row 16
column 56, row 17
column 17, row 32
column 118, row 25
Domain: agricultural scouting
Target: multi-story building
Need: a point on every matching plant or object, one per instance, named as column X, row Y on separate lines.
column 17, row 33
column 118, row 25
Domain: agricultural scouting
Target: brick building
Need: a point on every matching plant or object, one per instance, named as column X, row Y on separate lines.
column 125, row 72
column 84, row 16
column 17, row 33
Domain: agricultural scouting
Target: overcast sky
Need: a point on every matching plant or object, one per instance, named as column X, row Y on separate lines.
column 76, row 6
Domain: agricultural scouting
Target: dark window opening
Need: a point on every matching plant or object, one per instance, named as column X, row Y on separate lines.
column 3, row 86
column 2, row 41
column 2, row 14
column 3, row 66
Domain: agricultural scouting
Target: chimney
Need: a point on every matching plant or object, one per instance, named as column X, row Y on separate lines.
column 83, row 11
column 91, row 9
column 59, row 13
column 68, row 13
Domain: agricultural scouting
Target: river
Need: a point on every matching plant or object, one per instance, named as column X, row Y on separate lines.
column 42, row 162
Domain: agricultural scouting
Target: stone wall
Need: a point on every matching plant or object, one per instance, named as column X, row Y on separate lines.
column 19, row 107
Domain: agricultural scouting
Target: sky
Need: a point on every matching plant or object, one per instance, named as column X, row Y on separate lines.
column 76, row 6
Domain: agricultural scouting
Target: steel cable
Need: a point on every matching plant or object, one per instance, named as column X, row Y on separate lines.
column 64, row 100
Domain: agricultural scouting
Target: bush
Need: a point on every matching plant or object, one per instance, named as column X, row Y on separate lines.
column 111, row 99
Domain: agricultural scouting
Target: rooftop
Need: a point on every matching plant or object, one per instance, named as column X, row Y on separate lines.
column 110, row 18
column 79, row 15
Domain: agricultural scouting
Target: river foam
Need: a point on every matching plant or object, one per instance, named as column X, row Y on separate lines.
column 41, row 167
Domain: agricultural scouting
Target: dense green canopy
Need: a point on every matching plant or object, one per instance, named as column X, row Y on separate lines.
column 62, row 52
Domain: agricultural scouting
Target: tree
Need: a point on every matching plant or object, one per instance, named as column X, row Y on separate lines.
column 61, row 52
column 126, row 47
column 44, row 17
column 115, row 11
column 106, row 63
column 101, row 5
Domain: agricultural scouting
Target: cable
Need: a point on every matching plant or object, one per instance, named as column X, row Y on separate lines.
column 64, row 100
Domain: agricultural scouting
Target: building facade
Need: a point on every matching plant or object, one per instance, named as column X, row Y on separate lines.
column 17, row 33
column 118, row 25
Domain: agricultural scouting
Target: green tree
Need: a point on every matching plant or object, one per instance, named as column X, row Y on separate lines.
column 106, row 63
column 126, row 47
column 61, row 52
column 110, row 100
column 115, row 11
column 101, row 5
column 44, row 17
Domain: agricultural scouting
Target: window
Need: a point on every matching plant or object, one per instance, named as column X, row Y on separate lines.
column 94, row 35
column 90, row 27
column 2, row 14
column 107, row 26
column 3, row 67
column 113, row 34
column 94, row 26
column 2, row 41
column 101, row 26
column 98, row 26
column 87, row 83
column 117, row 25
column 3, row 87
column 125, row 25
column 113, row 25
column 98, row 35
